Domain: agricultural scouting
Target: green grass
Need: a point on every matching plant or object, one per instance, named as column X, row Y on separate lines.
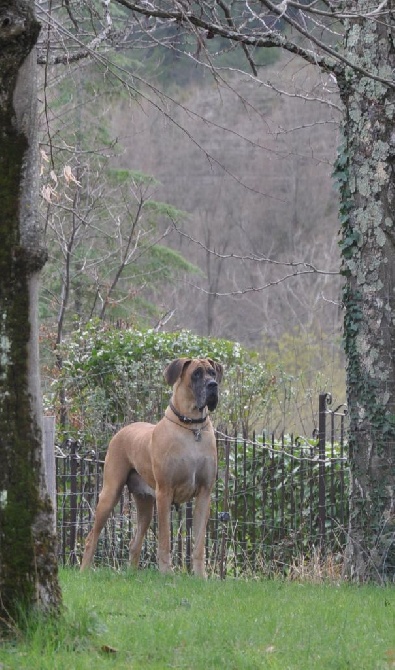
column 146, row 621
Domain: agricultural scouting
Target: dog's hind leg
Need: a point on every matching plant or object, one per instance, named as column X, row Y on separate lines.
column 116, row 470
column 107, row 500
column 145, row 510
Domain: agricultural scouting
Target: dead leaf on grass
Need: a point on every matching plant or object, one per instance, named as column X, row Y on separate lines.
column 106, row 649
column 390, row 654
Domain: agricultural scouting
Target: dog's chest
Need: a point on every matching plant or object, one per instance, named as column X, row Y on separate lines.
column 191, row 472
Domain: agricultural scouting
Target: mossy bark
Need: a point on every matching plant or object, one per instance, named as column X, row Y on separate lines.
column 366, row 175
column 28, row 566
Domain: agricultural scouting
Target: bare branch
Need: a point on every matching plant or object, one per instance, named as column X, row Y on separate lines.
column 272, row 39
column 312, row 9
column 309, row 269
column 255, row 258
column 335, row 63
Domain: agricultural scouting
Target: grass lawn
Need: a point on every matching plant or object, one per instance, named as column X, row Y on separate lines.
column 144, row 620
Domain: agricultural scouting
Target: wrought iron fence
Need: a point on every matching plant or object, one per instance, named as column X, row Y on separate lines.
column 274, row 500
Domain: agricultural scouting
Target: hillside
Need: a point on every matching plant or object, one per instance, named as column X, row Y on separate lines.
column 252, row 167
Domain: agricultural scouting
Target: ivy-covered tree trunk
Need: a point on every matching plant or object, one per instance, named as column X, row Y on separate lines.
column 28, row 566
column 365, row 172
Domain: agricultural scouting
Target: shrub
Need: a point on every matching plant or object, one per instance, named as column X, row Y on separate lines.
column 112, row 376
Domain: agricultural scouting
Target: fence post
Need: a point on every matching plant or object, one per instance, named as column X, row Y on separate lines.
column 188, row 530
column 73, row 500
column 49, row 460
column 324, row 398
column 224, row 517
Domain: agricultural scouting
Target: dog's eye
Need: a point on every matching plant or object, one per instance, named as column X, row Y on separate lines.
column 197, row 373
column 211, row 372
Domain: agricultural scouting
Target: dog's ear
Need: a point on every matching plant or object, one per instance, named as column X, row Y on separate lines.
column 174, row 370
column 219, row 370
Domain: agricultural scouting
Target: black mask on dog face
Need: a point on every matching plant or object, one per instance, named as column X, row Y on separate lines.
column 205, row 387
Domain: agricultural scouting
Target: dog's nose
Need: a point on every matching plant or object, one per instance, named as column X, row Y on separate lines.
column 212, row 384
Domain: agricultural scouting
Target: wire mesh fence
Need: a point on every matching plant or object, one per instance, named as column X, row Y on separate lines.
column 275, row 500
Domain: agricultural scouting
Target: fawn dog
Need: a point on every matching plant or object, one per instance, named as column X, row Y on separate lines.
column 172, row 461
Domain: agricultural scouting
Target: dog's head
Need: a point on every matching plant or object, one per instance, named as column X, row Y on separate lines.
column 201, row 375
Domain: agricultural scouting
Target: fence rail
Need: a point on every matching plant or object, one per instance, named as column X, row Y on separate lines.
column 274, row 500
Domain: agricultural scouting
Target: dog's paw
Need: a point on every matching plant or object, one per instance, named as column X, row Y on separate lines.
column 165, row 568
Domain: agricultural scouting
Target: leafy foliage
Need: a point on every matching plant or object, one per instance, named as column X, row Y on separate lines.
column 112, row 376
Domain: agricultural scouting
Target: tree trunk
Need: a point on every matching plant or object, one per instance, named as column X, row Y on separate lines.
column 365, row 171
column 28, row 565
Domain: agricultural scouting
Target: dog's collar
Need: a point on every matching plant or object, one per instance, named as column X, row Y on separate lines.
column 186, row 419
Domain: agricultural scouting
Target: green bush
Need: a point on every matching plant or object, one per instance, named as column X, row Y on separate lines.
column 112, row 376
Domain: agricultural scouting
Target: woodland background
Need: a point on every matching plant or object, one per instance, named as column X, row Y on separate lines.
column 196, row 202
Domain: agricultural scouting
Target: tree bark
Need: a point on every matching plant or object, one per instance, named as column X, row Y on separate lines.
column 28, row 564
column 365, row 170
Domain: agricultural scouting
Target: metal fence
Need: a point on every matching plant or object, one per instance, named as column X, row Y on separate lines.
column 276, row 501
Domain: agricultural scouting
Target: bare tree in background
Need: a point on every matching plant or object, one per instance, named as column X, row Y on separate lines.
column 237, row 178
column 28, row 562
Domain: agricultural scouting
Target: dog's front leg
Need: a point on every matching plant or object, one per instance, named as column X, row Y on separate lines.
column 200, row 519
column 163, row 504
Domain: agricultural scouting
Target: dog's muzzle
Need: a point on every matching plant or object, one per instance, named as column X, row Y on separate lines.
column 212, row 395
